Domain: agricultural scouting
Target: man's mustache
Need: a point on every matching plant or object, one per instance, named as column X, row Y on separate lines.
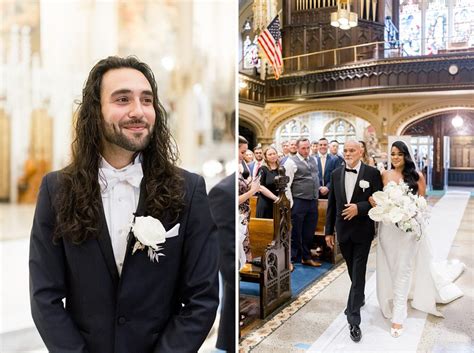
column 134, row 123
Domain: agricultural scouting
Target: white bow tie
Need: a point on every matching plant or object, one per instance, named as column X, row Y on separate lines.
column 108, row 178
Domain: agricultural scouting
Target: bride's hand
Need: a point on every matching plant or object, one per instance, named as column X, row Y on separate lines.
column 372, row 201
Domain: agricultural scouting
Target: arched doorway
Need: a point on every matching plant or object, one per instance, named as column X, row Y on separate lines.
column 248, row 131
column 445, row 147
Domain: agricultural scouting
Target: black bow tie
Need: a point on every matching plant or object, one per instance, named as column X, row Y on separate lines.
column 351, row 170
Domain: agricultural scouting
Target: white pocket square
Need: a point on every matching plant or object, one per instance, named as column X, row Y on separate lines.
column 173, row 231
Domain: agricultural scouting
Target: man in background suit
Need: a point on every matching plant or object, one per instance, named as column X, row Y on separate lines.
column 348, row 207
column 150, row 289
column 302, row 192
column 334, row 151
column 222, row 202
column 326, row 164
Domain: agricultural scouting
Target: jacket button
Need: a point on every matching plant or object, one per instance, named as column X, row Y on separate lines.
column 121, row 320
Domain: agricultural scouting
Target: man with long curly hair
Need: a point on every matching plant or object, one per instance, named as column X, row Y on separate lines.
column 123, row 234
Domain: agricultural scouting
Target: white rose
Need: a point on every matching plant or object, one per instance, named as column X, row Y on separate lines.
column 364, row 184
column 395, row 215
column 380, row 198
column 149, row 231
column 376, row 214
column 395, row 194
column 421, row 203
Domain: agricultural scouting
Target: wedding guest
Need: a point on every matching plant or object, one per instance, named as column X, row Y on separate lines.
column 285, row 148
column 247, row 188
column 258, row 162
column 248, row 157
column 326, row 164
column 334, row 151
column 97, row 284
column 302, row 192
column 268, row 192
column 314, row 148
column 366, row 158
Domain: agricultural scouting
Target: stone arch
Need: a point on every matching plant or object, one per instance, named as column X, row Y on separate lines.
column 425, row 110
column 337, row 107
column 252, row 120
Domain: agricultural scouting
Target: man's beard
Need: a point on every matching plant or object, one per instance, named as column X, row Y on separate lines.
column 138, row 142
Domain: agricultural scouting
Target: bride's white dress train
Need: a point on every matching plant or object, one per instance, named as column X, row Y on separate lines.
column 405, row 269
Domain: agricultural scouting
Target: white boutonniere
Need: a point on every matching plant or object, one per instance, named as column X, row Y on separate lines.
column 149, row 232
column 364, row 184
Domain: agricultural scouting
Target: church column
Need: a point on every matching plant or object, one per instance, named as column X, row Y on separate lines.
column 67, row 56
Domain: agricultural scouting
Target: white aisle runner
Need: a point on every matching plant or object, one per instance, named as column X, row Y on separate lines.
column 445, row 220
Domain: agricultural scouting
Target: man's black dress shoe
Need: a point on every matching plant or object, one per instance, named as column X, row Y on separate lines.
column 356, row 333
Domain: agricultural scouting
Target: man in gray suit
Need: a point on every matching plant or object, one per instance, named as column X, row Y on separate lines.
column 303, row 189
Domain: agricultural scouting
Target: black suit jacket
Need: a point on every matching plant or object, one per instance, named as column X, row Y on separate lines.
column 222, row 202
column 154, row 307
column 360, row 228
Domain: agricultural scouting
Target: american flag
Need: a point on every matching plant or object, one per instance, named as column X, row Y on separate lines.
column 270, row 43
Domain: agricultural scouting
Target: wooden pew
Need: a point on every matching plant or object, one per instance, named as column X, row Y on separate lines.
column 270, row 240
column 253, row 206
column 335, row 254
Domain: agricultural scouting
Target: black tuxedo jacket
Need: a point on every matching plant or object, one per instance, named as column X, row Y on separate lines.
column 222, row 201
column 359, row 229
column 154, row 307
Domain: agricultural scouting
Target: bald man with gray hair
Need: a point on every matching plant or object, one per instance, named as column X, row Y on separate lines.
column 348, row 205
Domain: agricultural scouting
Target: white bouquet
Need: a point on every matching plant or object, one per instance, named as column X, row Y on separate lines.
column 397, row 205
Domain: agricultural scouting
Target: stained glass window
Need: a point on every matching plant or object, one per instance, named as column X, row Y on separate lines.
column 410, row 26
column 251, row 59
column 297, row 128
column 436, row 26
column 340, row 130
column 463, row 23
column 428, row 26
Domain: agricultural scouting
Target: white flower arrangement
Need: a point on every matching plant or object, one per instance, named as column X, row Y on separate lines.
column 149, row 232
column 397, row 205
column 364, row 184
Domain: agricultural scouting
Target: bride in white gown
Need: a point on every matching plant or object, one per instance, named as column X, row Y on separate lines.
column 405, row 268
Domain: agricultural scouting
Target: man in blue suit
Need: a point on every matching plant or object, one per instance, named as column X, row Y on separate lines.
column 326, row 164
column 122, row 234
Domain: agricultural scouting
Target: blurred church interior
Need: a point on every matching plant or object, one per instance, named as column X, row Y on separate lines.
column 46, row 51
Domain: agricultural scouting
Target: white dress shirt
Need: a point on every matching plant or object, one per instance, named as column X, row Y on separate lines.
column 350, row 182
column 323, row 158
column 120, row 200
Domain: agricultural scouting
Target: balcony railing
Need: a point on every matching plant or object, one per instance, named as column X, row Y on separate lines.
column 339, row 56
column 251, row 90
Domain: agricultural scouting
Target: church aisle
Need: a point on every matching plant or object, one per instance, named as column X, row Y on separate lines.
column 320, row 325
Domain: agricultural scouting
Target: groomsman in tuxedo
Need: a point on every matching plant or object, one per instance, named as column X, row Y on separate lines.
column 326, row 164
column 347, row 214
column 150, row 288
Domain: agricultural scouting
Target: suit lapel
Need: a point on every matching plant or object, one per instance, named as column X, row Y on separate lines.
column 105, row 245
column 359, row 178
column 320, row 171
column 343, row 185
